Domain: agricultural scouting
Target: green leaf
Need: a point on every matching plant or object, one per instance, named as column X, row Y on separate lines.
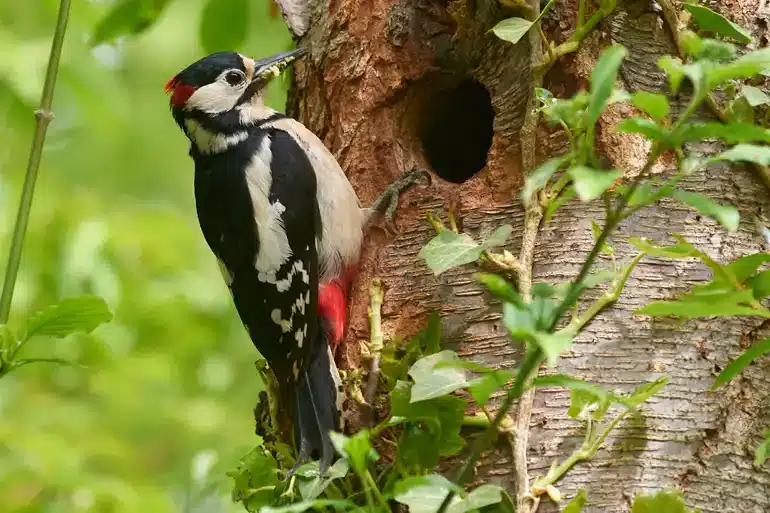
column 500, row 287
column 747, row 265
column 497, row 237
column 255, row 479
column 450, row 249
column 713, row 22
column 577, row 503
column 646, row 390
column 731, row 133
column 763, row 450
column 481, row 497
column 736, row 366
column 520, row 322
column 584, row 403
column 312, row 484
column 357, row 449
column 80, row 314
column 739, row 111
column 7, row 338
column 513, row 29
column 224, row 24
column 706, row 48
column 127, row 17
column 482, row 388
column 673, row 67
column 654, row 105
column 673, row 251
column 567, row 194
column 424, row 494
column 726, row 215
column 747, row 153
column 747, row 66
column 603, row 78
column 720, row 304
column 318, row 505
column 643, row 126
column 760, row 284
column 544, row 96
column 553, row 344
column 540, row 176
column 591, row 183
column 431, row 381
column 661, row 502
column 755, row 96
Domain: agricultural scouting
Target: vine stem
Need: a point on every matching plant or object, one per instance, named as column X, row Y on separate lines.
column 43, row 116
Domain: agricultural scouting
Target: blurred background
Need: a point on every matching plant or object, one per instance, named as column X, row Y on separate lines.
column 164, row 404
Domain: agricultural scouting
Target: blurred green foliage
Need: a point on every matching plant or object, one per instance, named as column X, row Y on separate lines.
column 164, row 405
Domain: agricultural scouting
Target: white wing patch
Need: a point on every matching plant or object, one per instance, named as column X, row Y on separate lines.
column 274, row 249
column 209, row 142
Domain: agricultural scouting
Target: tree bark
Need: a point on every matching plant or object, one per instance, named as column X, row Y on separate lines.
column 379, row 70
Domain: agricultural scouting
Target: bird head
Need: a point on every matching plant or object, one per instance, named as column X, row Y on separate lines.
column 216, row 89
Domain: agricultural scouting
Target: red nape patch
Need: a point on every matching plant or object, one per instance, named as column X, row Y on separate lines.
column 170, row 84
column 333, row 307
column 180, row 93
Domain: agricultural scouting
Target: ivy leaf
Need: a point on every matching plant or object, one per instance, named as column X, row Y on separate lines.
column 80, row 314
column 553, row 344
column 713, row 22
column 763, row 450
column 643, row 126
column 736, row 366
column 746, row 152
column 646, row 390
column 603, row 78
column 317, row 504
column 314, row 483
column 357, row 449
column 654, row 104
column 431, row 381
column 482, row 388
column 497, row 237
column 661, row 502
column 731, row 133
column 719, row 304
column 450, row 249
column 424, row 494
column 726, row 215
column 127, row 17
column 513, row 29
column 591, row 183
column 255, row 479
column 755, row 96
column 540, row 176
column 483, row 496
column 577, row 503
column 224, row 24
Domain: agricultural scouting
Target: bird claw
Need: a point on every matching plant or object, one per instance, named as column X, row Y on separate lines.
column 387, row 203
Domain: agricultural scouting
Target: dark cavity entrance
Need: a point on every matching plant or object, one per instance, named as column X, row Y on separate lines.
column 456, row 130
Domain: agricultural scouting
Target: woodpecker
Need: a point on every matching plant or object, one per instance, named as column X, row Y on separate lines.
column 286, row 227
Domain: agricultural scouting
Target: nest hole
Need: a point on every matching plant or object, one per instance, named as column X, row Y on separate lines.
column 456, row 131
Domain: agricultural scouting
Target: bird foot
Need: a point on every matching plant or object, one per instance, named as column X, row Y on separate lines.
column 387, row 203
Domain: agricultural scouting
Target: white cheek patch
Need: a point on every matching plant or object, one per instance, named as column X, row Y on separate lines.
column 214, row 98
column 209, row 142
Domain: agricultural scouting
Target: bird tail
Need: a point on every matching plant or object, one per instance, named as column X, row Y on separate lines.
column 318, row 407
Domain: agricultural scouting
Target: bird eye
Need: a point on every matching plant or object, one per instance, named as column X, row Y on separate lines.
column 234, row 77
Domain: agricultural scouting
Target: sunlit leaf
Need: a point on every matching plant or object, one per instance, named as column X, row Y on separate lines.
column 482, row 388
column 500, row 287
column 731, row 133
column 603, row 78
column 747, row 265
column 661, row 502
column 577, row 503
column 357, row 449
column 719, row 304
column 224, row 24
column 755, row 96
column 520, row 321
column 431, row 381
column 760, row 284
column 654, row 104
column 591, row 183
column 763, row 450
column 553, row 344
column 746, row 153
column 726, row 215
column 643, row 126
column 483, row 496
column 450, row 249
column 317, row 505
column 127, row 17
column 746, row 66
column 540, row 176
column 80, row 314
column 513, row 29
column 713, row 22
column 736, row 366
column 312, row 484
column 647, row 390
column 424, row 494
column 497, row 237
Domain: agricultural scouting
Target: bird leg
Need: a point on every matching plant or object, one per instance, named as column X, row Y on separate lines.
column 387, row 203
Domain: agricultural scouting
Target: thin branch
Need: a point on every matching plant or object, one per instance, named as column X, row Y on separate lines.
column 43, row 116
column 375, row 340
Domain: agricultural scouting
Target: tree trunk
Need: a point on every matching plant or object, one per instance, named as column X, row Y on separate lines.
column 395, row 85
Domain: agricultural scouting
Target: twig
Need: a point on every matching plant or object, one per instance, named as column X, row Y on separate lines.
column 43, row 115
column 375, row 340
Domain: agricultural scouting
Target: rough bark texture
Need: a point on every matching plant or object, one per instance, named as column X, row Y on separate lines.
column 376, row 70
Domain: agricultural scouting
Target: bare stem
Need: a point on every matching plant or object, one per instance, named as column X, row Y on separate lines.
column 43, row 116
column 375, row 339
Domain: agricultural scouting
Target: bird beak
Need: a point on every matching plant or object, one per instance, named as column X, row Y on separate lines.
column 266, row 69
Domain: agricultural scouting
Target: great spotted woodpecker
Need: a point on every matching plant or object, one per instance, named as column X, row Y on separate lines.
column 286, row 226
